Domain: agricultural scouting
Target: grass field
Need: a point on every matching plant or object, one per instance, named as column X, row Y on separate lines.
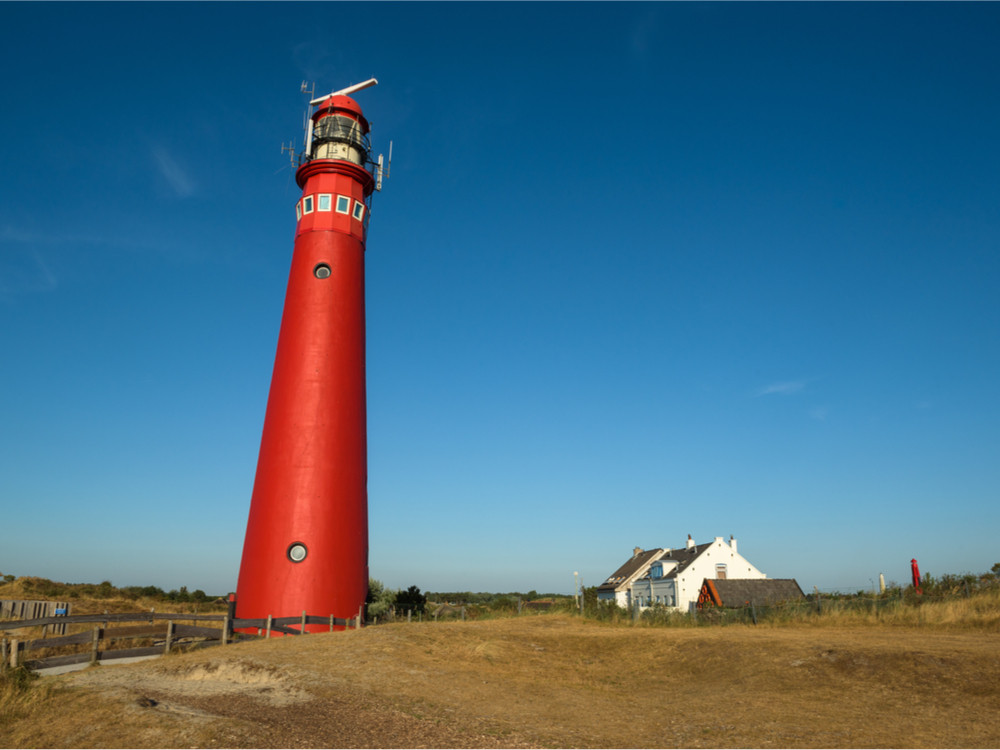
column 550, row 680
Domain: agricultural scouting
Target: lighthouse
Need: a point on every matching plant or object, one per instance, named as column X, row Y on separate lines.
column 306, row 546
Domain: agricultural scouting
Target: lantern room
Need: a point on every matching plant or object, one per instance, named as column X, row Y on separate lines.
column 339, row 131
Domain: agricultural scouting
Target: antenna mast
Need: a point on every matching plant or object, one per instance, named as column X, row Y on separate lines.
column 382, row 171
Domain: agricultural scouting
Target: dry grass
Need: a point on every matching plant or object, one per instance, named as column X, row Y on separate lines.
column 980, row 611
column 545, row 681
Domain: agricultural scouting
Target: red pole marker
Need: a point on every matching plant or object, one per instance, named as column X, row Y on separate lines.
column 916, row 576
column 306, row 544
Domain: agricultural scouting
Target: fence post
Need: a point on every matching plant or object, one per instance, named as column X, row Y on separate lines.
column 360, row 616
column 753, row 611
column 3, row 655
column 94, row 643
column 15, row 653
column 268, row 634
column 303, row 628
column 225, row 630
column 331, row 623
column 170, row 636
column 463, row 614
column 409, row 616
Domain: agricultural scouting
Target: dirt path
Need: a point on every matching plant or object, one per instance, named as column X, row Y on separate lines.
column 541, row 681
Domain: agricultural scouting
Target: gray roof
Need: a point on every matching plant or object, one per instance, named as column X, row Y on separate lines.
column 632, row 566
column 683, row 558
column 738, row 592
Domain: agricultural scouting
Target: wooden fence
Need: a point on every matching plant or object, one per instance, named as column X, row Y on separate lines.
column 97, row 643
column 30, row 609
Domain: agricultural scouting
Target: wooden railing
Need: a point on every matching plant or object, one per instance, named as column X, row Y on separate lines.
column 170, row 633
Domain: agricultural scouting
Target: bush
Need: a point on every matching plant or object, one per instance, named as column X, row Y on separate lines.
column 411, row 600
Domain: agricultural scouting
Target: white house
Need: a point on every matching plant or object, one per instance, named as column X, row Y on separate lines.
column 673, row 577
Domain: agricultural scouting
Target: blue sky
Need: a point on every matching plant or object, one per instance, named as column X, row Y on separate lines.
column 639, row 271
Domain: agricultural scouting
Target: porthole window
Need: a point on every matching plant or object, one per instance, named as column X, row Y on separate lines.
column 307, row 204
column 343, row 204
column 359, row 210
column 322, row 271
column 297, row 552
column 324, row 202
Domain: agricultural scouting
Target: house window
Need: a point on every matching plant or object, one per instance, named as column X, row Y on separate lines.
column 720, row 571
column 325, row 202
column 307, row 204
column 343, row 204
column 656, row 571
column 359, row 210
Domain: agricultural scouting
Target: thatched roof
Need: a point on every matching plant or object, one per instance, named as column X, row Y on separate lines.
column 739, row 592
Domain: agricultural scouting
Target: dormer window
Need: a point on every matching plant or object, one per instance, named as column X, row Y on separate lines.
column 656, row 571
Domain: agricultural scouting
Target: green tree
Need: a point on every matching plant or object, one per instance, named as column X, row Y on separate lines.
column 379, row 600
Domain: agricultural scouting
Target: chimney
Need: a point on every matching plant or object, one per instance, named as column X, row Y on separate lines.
column 732, row 544
column 690, row 542
column 637, row 551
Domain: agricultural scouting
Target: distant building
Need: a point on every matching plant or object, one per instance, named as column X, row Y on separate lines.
column 673, row 577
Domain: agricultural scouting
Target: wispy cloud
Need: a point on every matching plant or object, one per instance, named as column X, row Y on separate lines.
column 175, row 175
column 785, row 388
column 819, row 412
column 22, row 266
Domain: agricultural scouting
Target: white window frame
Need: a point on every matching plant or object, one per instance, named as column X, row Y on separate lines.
column 344, row 200
column 307, row 204
column 298, row 210
column 359, row 211
column 327, row 198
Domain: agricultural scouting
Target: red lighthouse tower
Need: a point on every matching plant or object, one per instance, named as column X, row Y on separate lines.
column 306, row 546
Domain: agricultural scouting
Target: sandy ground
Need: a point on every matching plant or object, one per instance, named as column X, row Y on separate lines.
column 542, row 681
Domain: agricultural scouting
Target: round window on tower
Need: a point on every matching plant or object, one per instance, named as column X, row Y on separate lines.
column 297, row 552
column 322, row 271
